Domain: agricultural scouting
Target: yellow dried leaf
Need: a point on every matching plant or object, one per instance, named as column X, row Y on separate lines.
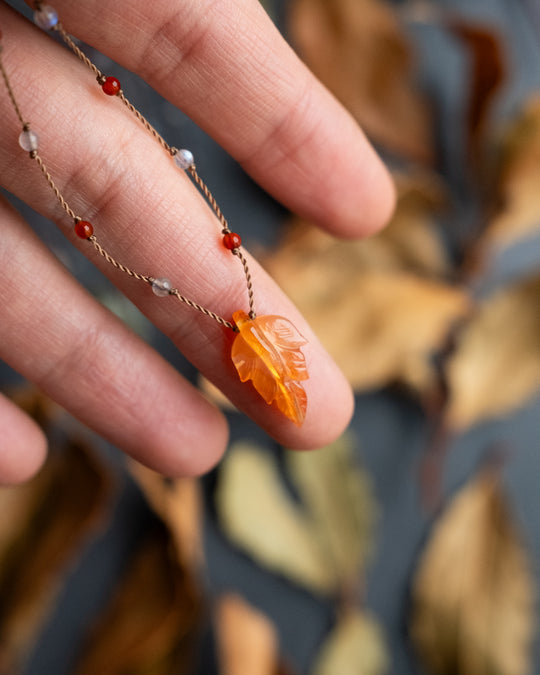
column 496, row 367
column 519, row 216
column 355, row 647
column 357, row 49
column 339, row 497
column 320, row 543
column 258, row 515
column 247, row 640
column 473, row 596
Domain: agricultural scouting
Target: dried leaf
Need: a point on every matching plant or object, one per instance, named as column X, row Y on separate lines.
column 247, row 640
column 357, row 49
column 473, row 596
column 267, row 352
column 66, row 504
column 488, row 72
column 519, row 216
column 309, row 542
column 338, row 495
column 258, row 515
column 153, row 620
column 389, row 324
column 315, row 263
column 178, row 502
column 355, row 647
column 496, row 367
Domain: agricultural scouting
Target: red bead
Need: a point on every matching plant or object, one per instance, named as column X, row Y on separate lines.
column 111, row 86
column 84, row 229
column 231, row 240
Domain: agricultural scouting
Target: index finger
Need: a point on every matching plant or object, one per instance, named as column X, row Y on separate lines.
column 227, row 67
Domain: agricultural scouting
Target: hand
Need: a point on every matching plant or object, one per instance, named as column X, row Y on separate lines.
column 226, row 66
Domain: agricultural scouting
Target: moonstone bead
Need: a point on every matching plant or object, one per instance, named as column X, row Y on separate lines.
column 161, row 287
column 29, row 140
column 184, row 159
column 46, row 17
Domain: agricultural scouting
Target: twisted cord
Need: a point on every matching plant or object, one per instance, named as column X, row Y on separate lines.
column 200, row 308
column 115, row 263
column 142, row 119
column 10, row 92
column 66, row 37
column 172, row 151
column 249, row 283
column 210, row 197
column 63, row 203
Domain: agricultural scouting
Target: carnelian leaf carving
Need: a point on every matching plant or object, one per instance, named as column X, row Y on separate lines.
column 267, row 352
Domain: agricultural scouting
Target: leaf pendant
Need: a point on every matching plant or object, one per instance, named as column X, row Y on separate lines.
column 267, row 352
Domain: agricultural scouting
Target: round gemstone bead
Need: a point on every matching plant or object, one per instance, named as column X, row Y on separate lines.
column 184, row 159
column 83, row 229
column 161, row 287
column 29, row 140
column 111, row 86
column 231, row 240
column 46, row 17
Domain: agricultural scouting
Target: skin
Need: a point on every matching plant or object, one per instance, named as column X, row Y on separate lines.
column 225, row 65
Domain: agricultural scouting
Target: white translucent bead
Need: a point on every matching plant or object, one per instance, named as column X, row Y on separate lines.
column 161, row 287
column 46, row 17
column 184, row 159
column 29, row 140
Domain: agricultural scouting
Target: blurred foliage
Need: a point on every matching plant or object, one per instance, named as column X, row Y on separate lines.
column 396, row 309
column 473, row 597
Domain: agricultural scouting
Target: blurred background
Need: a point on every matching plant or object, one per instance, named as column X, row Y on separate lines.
column 411, row 545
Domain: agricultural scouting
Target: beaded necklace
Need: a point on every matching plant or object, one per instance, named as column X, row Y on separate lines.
column 266, row 349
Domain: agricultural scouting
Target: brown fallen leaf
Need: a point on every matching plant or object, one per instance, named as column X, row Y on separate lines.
column 355, row 646
column 356, row 47
column 380, row 328
column 152, row 623
column 410, row 243
column 488, row 72
column 310, row 543
column 178, row 502
column 473, row 593
column 247, row 640
column 66, row 504
column 519, row 214
column 496, row 365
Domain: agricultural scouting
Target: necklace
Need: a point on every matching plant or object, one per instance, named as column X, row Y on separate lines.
column 266, row 349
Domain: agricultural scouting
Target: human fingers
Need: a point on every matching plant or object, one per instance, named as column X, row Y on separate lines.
column 227, row 67
column 115, row 175
column 23, row 445
column 56, row 335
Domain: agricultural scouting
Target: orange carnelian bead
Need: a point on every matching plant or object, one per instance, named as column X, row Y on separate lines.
column 111, row 86
column 84, row 229
column 231, row 240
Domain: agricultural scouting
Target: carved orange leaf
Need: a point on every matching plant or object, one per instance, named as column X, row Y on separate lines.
column 267, row 352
